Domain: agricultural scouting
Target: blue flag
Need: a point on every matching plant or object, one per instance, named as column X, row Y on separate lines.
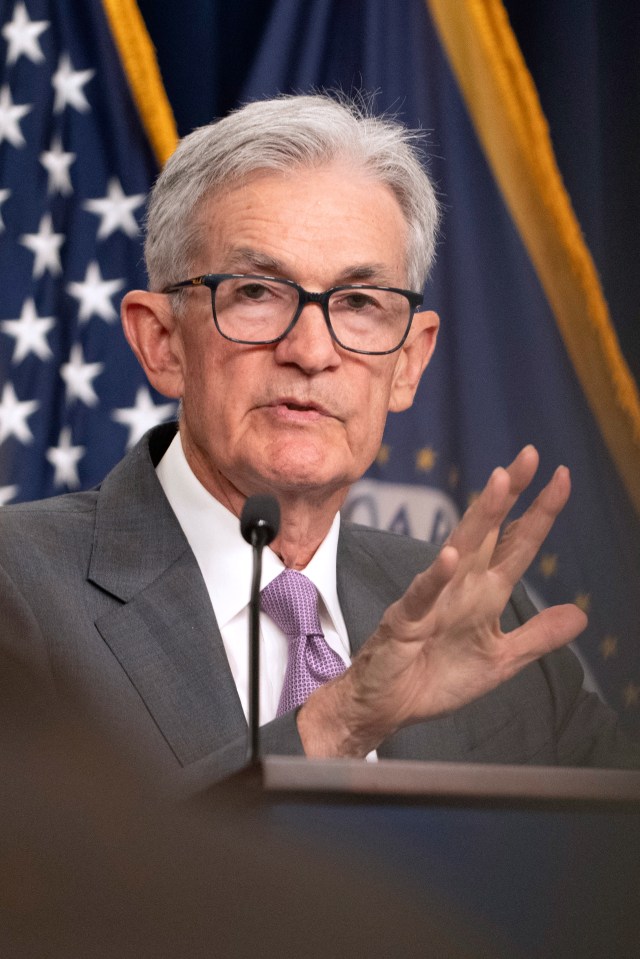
column 75, row 168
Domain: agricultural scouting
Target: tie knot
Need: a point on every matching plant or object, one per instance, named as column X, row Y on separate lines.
column 291, row 600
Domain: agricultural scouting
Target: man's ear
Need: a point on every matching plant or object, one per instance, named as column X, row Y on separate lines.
column 152, row 332
column 413, row 360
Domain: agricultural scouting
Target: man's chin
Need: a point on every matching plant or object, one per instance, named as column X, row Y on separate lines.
column 301, row 477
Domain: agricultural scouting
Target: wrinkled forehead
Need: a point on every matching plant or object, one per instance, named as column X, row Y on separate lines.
column 337, row 209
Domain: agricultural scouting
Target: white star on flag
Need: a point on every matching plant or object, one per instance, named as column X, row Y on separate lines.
column 45, row 245
column 30, row 333
column 10, row 115
column 14, row 414
column 78, row 377
column 56, row 162
column 4, row 195
column 22, row 34
column 65, row 458
column 116, row 210
column 68, row 84
column 7, row 493
column 94, row 295
column 143, row 415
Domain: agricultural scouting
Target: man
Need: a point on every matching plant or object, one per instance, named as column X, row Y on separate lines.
column 286, row 247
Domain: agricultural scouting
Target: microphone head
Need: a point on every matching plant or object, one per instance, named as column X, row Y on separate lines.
column 260, row 520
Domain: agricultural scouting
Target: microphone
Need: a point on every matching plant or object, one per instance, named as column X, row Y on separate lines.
column 259, row 525
column 260, row 520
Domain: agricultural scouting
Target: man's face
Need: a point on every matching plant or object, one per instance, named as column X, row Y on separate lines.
column 302, row 417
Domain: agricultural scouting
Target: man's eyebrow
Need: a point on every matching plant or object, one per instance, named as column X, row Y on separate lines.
column 245, row 258
column 365, row 273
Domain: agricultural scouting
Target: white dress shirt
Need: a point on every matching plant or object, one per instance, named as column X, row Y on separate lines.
column 225, row 560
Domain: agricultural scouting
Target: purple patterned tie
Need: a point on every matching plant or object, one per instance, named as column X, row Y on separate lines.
column 291, row 600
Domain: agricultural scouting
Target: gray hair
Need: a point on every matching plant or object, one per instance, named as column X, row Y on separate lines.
column 280, row 134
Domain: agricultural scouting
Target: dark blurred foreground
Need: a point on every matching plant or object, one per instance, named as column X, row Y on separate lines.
column 97, row 860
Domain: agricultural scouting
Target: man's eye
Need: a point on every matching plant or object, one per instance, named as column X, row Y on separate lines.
column 253, row 291
column 357, row 302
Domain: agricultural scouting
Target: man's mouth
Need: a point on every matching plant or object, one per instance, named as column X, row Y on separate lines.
column 290, row 408
column 300, row 406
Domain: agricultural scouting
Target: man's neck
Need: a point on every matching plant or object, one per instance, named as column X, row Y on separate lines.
column 305, row 515
column 303, row 527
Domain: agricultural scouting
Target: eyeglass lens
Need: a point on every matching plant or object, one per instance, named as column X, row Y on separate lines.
column 255, row 310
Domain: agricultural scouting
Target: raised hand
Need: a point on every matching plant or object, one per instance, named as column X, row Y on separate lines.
column 440, row 645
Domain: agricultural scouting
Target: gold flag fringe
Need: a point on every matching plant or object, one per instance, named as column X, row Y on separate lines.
column 143, row 74
column 504, row 107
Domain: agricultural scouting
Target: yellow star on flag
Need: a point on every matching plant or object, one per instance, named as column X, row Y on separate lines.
column 548, row 565
column 383, row 454
column 583, row 602
column 609, row 646
column 426, row 459
column 631, row 695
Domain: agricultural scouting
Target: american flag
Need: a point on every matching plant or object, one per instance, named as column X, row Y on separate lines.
column 75, row 168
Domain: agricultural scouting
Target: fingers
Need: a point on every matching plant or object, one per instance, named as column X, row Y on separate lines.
column 521, row 540
column 522, row 470
column 479, row 569
column 480, row 525
column 426, row 587
column 549, row 630
column 483, row 517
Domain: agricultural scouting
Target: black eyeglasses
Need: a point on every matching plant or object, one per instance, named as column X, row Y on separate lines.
column 259, row 310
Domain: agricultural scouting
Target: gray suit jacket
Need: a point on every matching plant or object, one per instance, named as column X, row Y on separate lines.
column 101, row 594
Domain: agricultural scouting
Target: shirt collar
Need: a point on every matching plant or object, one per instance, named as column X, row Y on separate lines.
column 224, row 558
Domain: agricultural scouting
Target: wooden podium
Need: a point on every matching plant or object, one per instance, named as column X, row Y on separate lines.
column 549, row 858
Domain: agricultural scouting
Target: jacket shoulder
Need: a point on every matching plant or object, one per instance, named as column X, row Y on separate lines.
column 47, row 534
column 394, row 548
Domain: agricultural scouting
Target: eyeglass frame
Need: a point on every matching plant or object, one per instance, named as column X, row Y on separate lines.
column 213, row 280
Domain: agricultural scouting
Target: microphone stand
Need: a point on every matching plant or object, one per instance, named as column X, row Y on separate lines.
column 259, row 524
column 253, row 752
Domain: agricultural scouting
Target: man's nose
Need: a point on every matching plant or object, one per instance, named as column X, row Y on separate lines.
column 309, row 344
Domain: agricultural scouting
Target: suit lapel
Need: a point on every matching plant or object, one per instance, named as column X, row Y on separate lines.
column 364, row 588
column 163, row 632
